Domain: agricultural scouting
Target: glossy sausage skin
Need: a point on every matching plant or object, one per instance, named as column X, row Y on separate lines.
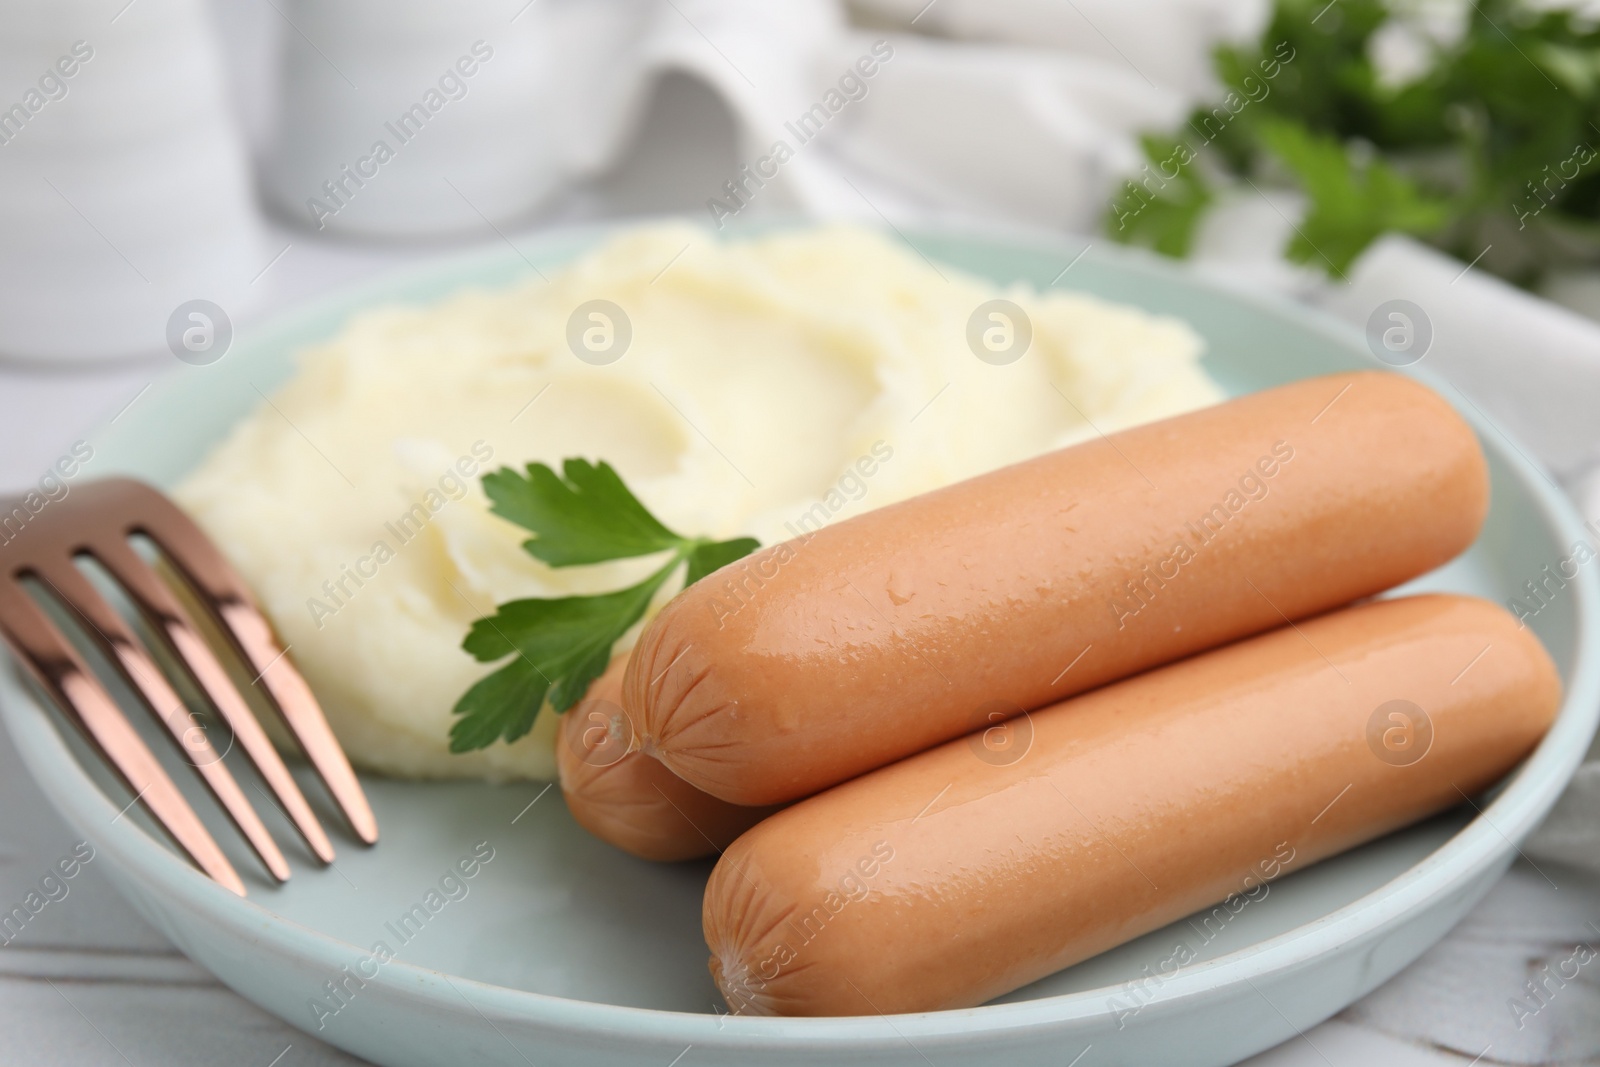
column 824, row 657
column 948, row 879
column 629, row 799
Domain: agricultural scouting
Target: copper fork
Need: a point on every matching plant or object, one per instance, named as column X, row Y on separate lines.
column 96, row 520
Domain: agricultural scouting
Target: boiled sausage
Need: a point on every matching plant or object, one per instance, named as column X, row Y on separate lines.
column 823, row 657
column 982, row 865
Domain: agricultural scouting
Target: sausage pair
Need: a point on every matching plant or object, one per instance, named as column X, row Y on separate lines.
column 983, row 863
column 822, row 658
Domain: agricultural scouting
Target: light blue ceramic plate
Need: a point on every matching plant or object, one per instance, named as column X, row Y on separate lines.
column 565, row 951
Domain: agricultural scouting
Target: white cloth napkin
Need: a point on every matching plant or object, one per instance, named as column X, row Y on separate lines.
column 1034, row 133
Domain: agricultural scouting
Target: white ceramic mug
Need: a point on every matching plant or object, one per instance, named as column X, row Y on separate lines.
column 413, row 118
column 124, row 188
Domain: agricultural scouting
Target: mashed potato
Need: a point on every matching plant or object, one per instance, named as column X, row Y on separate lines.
column 769, row 386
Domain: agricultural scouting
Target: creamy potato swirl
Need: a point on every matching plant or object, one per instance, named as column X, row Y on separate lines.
column 769, row 385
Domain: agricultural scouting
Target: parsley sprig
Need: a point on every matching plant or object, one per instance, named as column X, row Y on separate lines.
column 558, row 646
column 1491, row 149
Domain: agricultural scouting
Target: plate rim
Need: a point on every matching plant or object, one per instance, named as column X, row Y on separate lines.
column 1492, row 836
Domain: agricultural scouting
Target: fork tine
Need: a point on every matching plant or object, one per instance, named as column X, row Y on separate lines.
column 226, row 595
column 159, row 604
column 57, row 667
column 136, row 666
column 301, row 713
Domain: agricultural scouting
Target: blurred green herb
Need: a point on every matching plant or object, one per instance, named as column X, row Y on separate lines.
column 1491, row 145
column 558, row 646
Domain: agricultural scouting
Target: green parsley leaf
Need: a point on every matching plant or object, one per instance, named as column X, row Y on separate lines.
column 714, row 555
column 502, row 704
column 584, row 515
column 1350, row 207
column 559, row 646
column 1166, row 218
